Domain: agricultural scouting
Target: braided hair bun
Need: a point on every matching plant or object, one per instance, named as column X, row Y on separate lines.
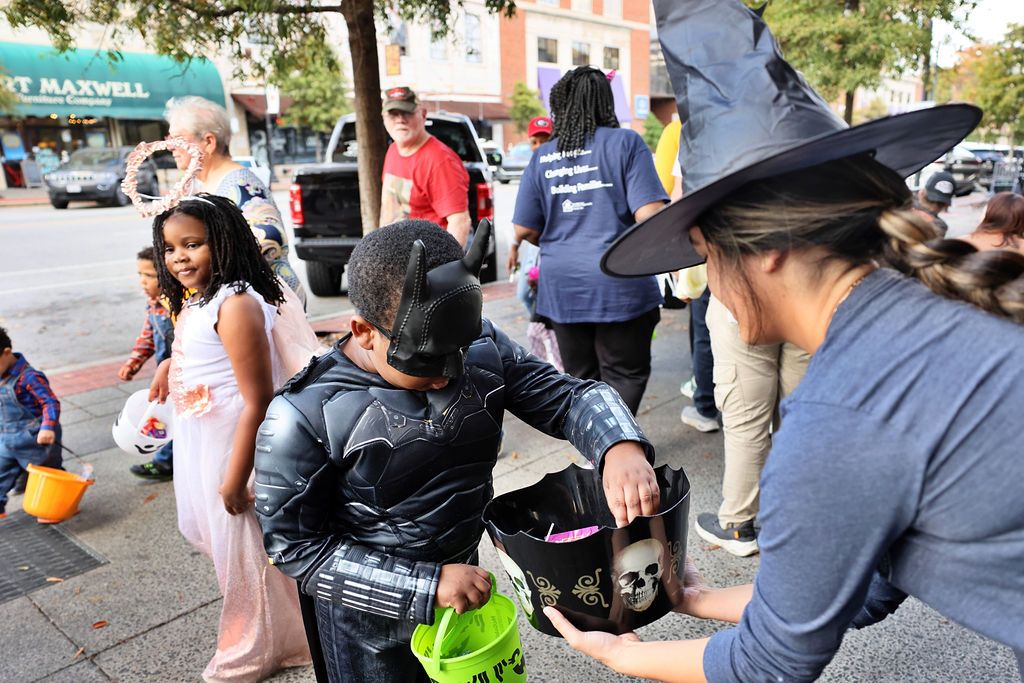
column 992, row 280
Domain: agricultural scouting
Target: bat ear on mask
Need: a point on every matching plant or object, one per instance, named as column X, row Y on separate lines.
column 474, row 259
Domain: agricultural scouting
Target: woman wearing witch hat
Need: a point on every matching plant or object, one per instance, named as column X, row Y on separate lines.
column 898, row 466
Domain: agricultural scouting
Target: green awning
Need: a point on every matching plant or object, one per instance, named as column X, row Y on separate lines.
column 86, row 83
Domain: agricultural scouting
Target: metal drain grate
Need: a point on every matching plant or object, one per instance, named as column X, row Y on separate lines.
column 31, row 552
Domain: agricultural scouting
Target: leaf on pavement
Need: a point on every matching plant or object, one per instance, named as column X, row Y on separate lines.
column 101, row 623
column 78, row 653
column 54, row 579
column 149, row 498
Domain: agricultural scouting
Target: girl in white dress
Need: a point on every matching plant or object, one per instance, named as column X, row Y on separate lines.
column 223, row 371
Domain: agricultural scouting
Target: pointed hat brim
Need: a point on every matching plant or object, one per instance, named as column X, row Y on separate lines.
column 905, row 143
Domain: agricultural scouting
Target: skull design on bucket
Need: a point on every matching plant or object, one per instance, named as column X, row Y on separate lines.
column 638, row 570
column 518, row 579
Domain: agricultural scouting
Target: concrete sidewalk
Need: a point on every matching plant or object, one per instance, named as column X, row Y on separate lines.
column 161, row 602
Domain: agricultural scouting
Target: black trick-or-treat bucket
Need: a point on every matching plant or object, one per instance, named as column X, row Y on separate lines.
column 600, row 577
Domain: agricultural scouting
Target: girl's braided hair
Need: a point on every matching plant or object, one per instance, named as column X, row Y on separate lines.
column 580, row 102
column 234, row 251
column 859, row 211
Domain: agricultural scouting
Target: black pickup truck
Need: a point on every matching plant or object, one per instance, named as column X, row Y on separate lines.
column 324, row 199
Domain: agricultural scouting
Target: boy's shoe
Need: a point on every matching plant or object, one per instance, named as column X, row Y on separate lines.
column 21, row 482
column 738, row 539
column 152, row 470
column 687, row 388
column 690, row 416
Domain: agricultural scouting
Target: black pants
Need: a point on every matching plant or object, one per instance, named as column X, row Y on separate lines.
column 618, row 353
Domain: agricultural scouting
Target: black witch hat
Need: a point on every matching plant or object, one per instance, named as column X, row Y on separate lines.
column 747, row 115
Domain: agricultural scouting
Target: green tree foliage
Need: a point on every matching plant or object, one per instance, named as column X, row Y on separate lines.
column 526, row 105
column 998, row 84
column 184, row 29
column 841, row 45
column 315, row 82
column 8, row 98
column 652, row 131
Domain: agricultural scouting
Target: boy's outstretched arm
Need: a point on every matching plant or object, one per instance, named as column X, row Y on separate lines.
column 297, row 497
column 591, row 416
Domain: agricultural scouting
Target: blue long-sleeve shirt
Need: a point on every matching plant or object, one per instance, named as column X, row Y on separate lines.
column 904, row 441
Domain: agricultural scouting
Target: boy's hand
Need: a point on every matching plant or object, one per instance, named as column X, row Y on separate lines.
column 463, row 586
column 158, row 388
column 45, row 437
column 127, row 371
column 629, row 483
column 237, row 497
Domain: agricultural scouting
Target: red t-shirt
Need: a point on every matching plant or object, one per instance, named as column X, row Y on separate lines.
column 431, row 184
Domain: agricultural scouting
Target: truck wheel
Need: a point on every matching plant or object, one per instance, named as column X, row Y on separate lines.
column 59, row 203
column 324, row 279
column 489, row 273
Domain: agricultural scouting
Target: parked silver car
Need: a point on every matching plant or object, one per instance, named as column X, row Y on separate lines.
column 95, row 174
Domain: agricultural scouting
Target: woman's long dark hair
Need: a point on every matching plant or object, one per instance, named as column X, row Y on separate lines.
column 580, row 102
column 234, row 252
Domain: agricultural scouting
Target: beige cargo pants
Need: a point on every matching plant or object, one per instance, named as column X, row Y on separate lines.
column 750, row 381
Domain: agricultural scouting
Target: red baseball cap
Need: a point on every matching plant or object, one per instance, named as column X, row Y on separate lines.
column 539, row 125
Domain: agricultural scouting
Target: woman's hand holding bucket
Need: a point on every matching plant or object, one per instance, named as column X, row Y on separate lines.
column 629, row 483
column 463, row 587
column 604, row 647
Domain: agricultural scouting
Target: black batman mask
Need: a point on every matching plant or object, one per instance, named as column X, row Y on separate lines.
column 439, row 314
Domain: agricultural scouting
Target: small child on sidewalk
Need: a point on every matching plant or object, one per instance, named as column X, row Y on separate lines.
column 374, row 464
column 29, row 419
column 154, row 340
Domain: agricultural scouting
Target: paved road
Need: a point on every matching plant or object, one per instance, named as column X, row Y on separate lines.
column 68, row 292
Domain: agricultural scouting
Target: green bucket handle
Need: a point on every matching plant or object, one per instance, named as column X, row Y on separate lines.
column 444, row 636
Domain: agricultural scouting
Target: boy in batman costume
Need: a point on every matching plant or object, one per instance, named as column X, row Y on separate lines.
column 374, row 464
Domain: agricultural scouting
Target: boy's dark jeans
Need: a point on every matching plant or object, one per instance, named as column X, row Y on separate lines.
column 359, row 646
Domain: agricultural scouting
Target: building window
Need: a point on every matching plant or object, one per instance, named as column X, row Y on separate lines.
column 582, row 6
column 611, row 58
column 439, row 48
column 553, row 3
column 613, row 9
column 547, row 50
column 580, row 54
column 473, row 53
column 399, row 35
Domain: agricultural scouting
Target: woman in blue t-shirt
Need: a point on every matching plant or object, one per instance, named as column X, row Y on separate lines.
column 582, row 189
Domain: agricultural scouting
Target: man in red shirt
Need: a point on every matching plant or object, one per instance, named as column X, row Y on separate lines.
column 423, row 177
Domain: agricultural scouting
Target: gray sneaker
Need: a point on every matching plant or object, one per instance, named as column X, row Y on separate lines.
column 738, row 539
column 694, row 419
column 687, row 388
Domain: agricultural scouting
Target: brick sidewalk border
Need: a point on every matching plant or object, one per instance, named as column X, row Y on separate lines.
column 104, row 374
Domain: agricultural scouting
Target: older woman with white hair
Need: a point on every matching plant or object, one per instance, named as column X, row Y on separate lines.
column 207, row 124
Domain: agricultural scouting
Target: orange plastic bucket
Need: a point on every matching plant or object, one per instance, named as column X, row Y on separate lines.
column 53, row 495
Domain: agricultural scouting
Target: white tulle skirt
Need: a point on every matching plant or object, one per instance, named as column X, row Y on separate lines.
column 260, row 623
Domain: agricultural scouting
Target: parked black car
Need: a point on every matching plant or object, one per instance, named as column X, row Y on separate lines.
column 95, row 174
column 324, row 199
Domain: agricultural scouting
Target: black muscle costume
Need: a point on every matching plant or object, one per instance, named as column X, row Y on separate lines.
column 364, row 490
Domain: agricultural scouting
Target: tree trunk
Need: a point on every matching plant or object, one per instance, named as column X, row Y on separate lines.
column 848, row 111
column 926, row 66
column 370, row 133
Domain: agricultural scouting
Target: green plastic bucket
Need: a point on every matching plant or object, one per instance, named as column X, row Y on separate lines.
column 480, row 645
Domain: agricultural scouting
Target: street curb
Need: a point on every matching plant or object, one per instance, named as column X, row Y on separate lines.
column 103, row 374
column 28, row 201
